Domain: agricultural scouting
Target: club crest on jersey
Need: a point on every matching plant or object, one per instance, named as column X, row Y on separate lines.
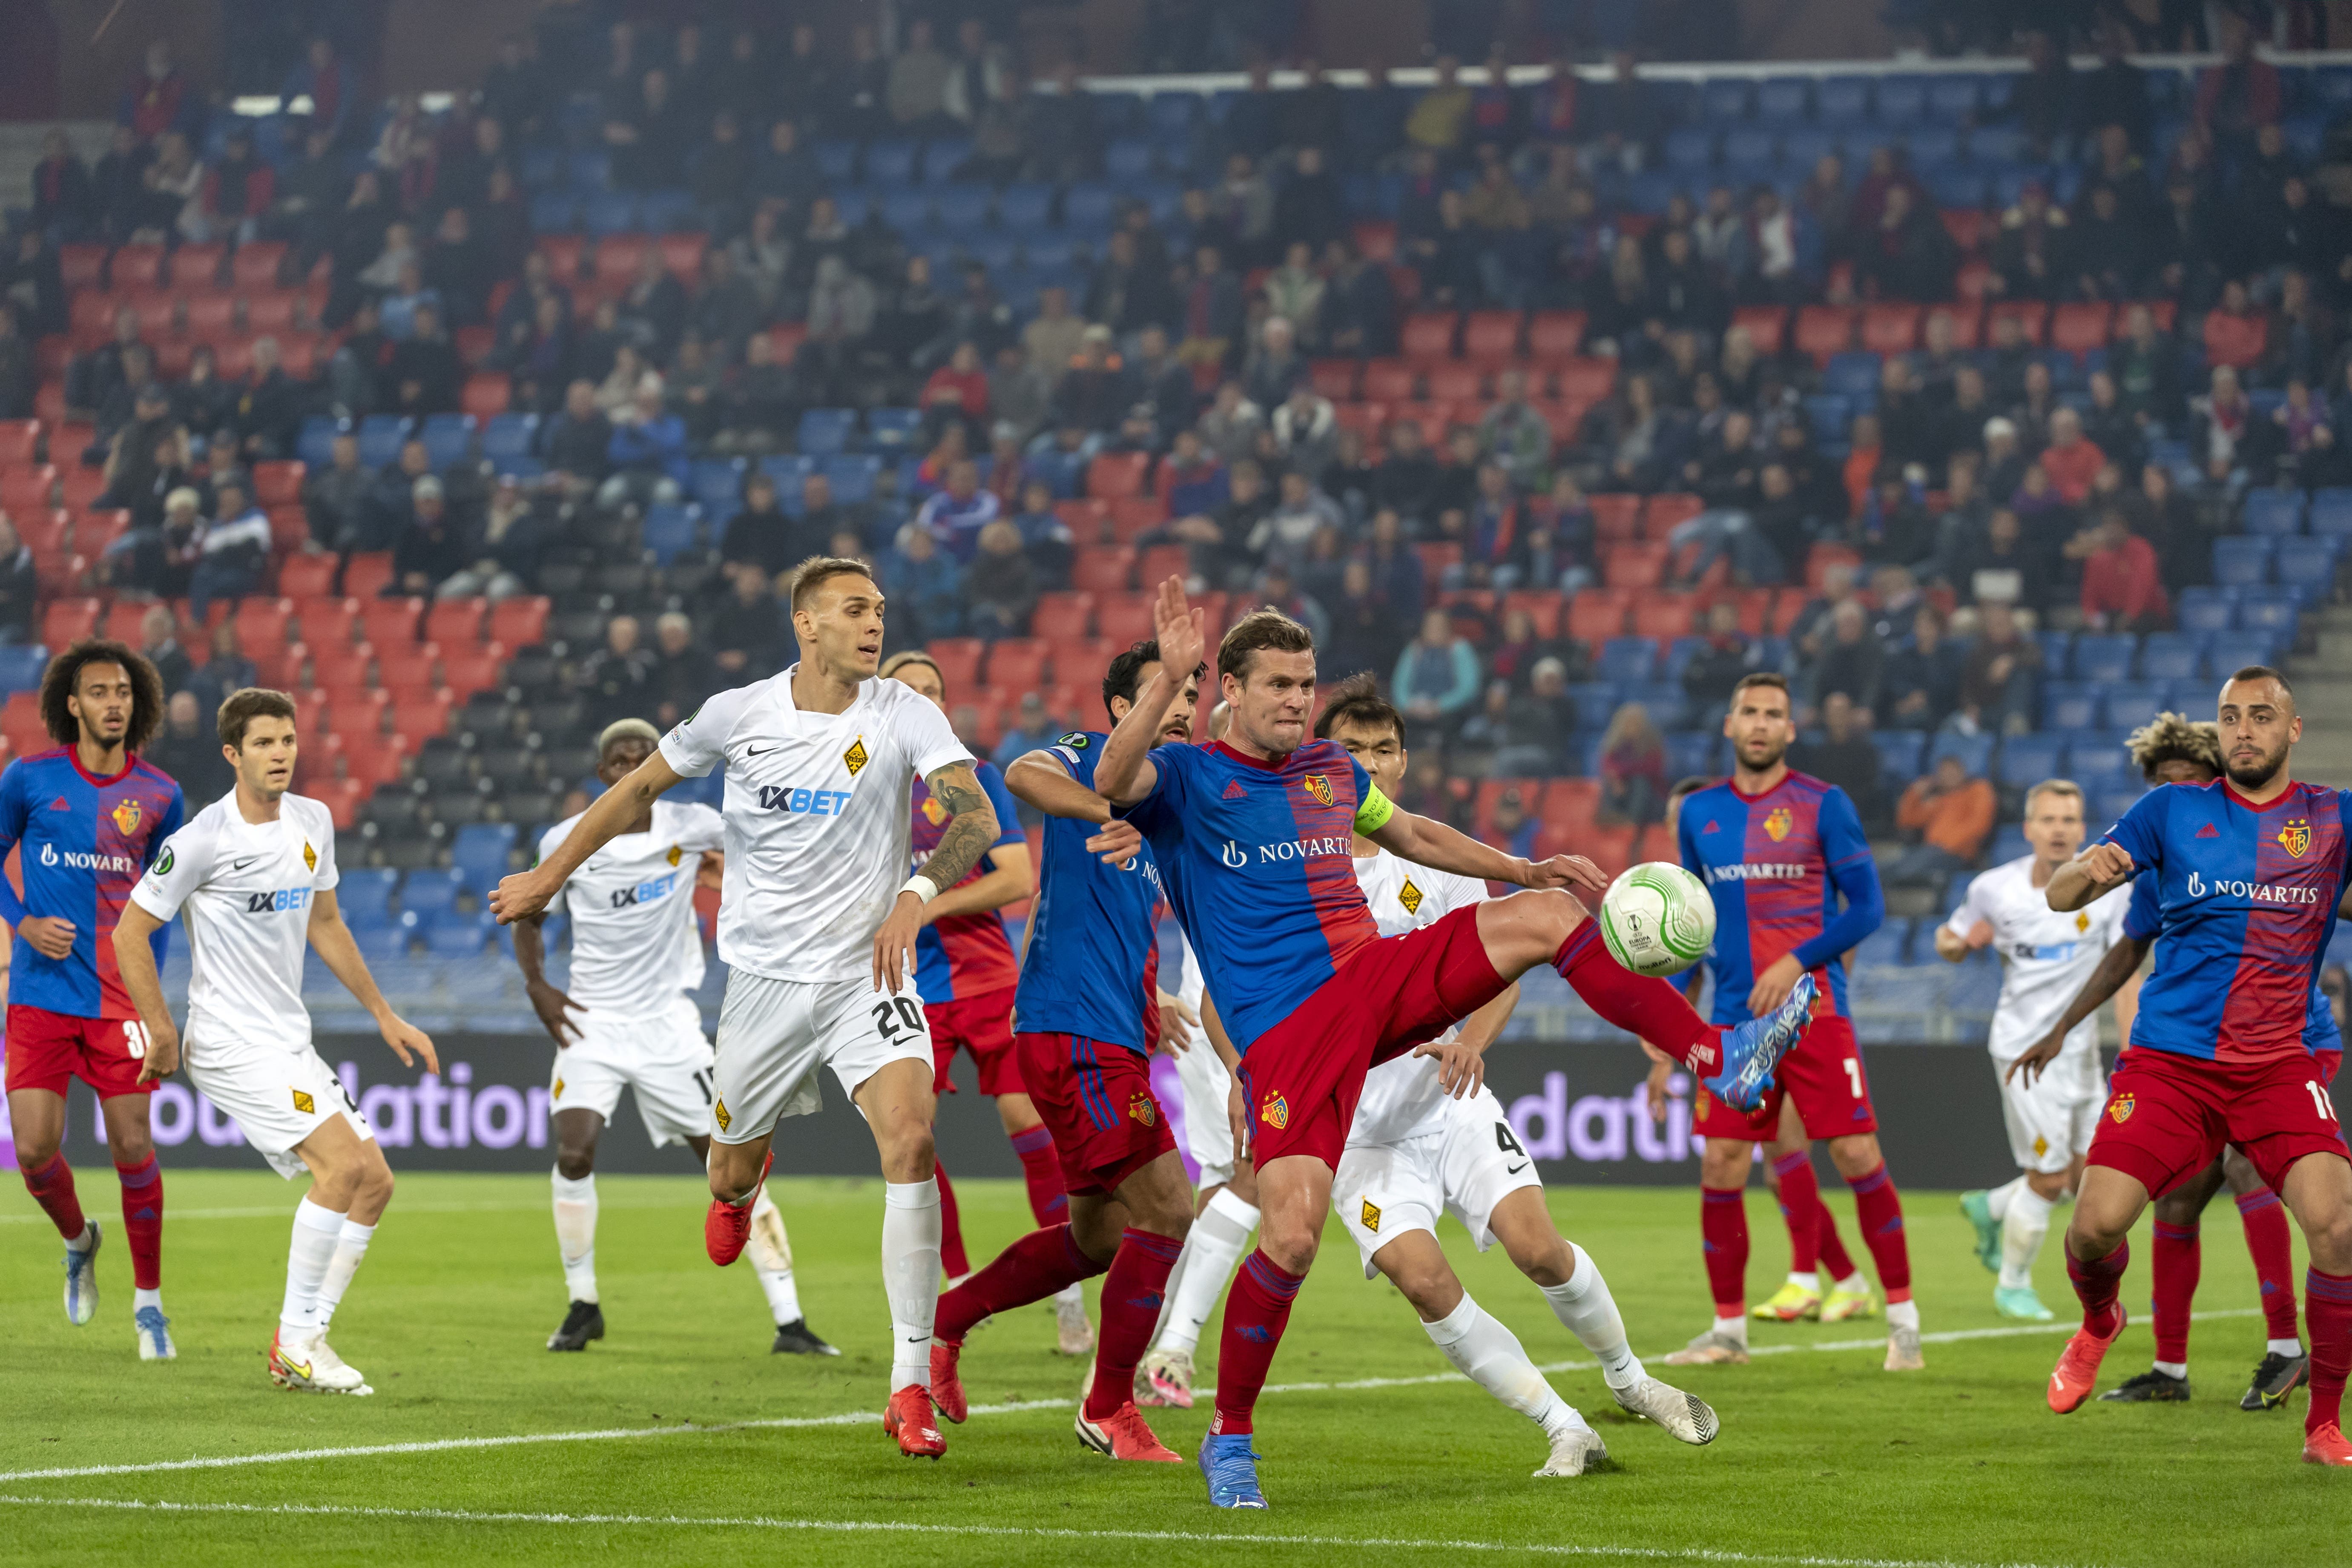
column 1410, row 897
column 557, row 1093
column 855, row 758
column 1777, row 825
column 2121, row 1107
column 304, row 1103
column 933, row 812
column 2082, row 923
column 309, row 856
column 718, row 1114
column 1141, row 1106
column 1372, row 1215
column 1319, row 787
column 1276, row 1111
column 2295, row 838
column 2041, row 1146
column 126, row 817
column 677, row 853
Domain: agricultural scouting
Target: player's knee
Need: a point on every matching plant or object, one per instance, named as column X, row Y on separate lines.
column 31, row 1155
column 575, row 1162
column 1290, row 1243
column 1546, row 1261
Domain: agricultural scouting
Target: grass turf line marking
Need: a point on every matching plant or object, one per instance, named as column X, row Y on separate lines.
column 861, row 1527
column 853, row 1417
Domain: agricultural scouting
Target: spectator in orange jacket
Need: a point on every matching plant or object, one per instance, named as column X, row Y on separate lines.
column 2123, row 581
column 1952, row 814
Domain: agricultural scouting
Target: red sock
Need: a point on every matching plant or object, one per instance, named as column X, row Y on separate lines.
column 1836, row 1262
column 1131, row 1311
column 1723, row 1238
column 2176, row 1261
column 1031, row 1269
column 1879, row 1211
column 143, row 1221
column 1043, row 1171
column 1646, row 1008
column 2095, row 1284
column 2327, row 1310
column 954, row 1262
column 1800, row 1206
column 2268, row 1239
column 1256, row 1308
column 52, row 1187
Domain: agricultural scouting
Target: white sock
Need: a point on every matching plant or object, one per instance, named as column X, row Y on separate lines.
column 1075, row 1290
column 1903, row 1315
column 1853, row 1284
column 1211, row 1249
column 1732, row 1328
column 350, row 1245
column 1586, row 1308
column 86, row 1241
column 1997, row 1200
column 772, row 1259
column 316, row 1231
column 1490, row 1355
column 910, row 1277
column 140, row 1300
column 2022, row 1235
column 1806, row 1281
column 575, row 1234
column 2276, row 1347
column 2178, row 1369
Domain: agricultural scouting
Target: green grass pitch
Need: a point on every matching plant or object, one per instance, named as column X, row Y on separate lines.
column 1823, row 1457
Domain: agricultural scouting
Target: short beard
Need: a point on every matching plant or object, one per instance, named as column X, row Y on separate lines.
column 1740, row 755
column 2255, row 777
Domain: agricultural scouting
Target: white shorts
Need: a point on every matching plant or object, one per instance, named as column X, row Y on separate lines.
column 1207, row 1119
column 664, row 1058
column 276, row 1096
column 2050, row 1123
column 774, row 1033
column 1383, row 1190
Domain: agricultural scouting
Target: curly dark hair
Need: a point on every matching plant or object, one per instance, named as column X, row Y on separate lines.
column 63, row 680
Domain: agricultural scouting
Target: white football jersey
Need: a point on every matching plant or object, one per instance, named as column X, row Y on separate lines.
column 1403, row 1098
column 816, row 821
column 635, row 944
column 2045, row 956
column 244, row 891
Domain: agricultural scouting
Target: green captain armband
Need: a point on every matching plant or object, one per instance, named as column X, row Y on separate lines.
column 1373, row 812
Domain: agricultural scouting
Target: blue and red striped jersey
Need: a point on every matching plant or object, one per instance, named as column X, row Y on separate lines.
column 2144, row 919
column 1092, row 931
column 86, row 842
column 1258, row 858
column 965, row 955
column 2246, row 896
column 1776, row 865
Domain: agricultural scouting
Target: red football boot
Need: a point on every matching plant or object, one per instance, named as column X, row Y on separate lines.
column 947, row 1383
column 2326, row 1446
column 909, row 1419
column 728, row 1226
column 2077, row 1371
column 1122, row 1434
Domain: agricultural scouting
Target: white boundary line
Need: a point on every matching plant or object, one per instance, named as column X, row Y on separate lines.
column 857, row 1417
column 1001, row 1532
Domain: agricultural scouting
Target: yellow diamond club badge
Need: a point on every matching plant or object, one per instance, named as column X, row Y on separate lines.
column 1319, row 787
column 1775, row 826
column 1410, row 897
column 856, row 758
column 2121, row 1107
column 309, row 856
column 559, row 1091
column 677, row 853
column 718, row 1110
column 1276, row 1113
column 2041, row 1146
column 304, row 1103
column 2082, row 920
column 1372, row 1215
column 2295, row 837
column 126, row 817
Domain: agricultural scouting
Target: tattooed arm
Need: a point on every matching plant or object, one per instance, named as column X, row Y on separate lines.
column 971, row 829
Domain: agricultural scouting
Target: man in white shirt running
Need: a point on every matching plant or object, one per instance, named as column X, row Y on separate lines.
column 1430, row 1138
column 2045, row 958
column 636, row 960
column 254, row 875
column 816, row 927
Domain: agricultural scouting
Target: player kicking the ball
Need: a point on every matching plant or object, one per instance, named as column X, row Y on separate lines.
column 2250, row 870
column 1430, row 1138
column 254, row 875
column 815, row 927
column 636, row 958
column 1255, row 839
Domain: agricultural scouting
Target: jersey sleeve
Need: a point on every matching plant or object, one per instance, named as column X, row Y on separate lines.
column 179, row 870
column 702, row 828
column 2139, row 833
column 931, row 743
column 1172, row 788
column 1008, row 810
column 1078, row 762
column 175, row 816
column 327, row 873
column 698, row 742
column 2144, row 912
column 1845, row 850
column 1973, row 907
column 12, row 829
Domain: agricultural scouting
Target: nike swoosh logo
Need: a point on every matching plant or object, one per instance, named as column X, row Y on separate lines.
column 757, row 751
column 243, row 864
column 919, row 1339
column 1515, row 1170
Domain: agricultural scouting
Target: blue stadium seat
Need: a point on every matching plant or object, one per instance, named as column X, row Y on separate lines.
column 717, row 480
column 1129, row 158
column 364, row 897
column 1932, row 146
column 1828, row 413
column 2203, row 611
column 2103, row 658
column 1691, row 751
column 2099, row 766
column 1959, row 187
column 316, row 443
column 943, row 158
column 1679, row 653
column 851, row 476
column 1975, row 751
column 1022, row 207
column 1841, row 100
column 669, row 531
column 447, row 437
column 509, row 436
column 1902, row 99
column 1748, row 153
column 21, row 667
column 837, row 161
column 2243, row 562
column 381, row 436
column 554, row 212
column 1901, row 753
column 459, row 936
column 2029, row 759
column 591, row 168
column 479, row 852
column 2307, row 567
column 2234, row 650
column 1087, row 209
column 1595, row 701
column 427, row 894
column 2110, row 806
column 790, row 470
column 824, row 431
column 1691, row 148
column 609, row 212
column 2272, row 610
column 1664, row 700
column 893, row 428
column 1802, row 146
column 907, row 213
column 890, row 162
column 2134, row 703
column 1049, row 254
column 1722, row 99
column 1061, row 471
column 2331, row 511
column 1890, row 944
column 962, row 208
column 2068, row 705
column 1626, row 660
column 1992, row 146
column 1852, row 375
column 1780, row 99
column 2170, row 656
column 1952, row 96
column 2274, row 511
column 2008, row 844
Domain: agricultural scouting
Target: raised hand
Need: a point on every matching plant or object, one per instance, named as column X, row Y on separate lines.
column 1182, row 630
column 2109, row 864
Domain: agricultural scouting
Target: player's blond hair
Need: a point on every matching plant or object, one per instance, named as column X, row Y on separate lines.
column 627, row 729
column 2171, row 736
column 2052, row 786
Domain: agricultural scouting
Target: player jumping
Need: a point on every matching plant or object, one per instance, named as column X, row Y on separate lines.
column 91, row 817
column 1088, row 1015
column 254, row 874
column 636, row 958
column 2175, row 750
column 965, row 970
column 2046, row 957
column 815, row 926
column 1255, row 839
column 2250, row 871
column 1777, row 850
column 1430, row 1137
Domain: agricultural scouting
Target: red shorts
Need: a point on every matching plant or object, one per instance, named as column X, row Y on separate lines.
column 1304, row 1076
column 1096, row 1099
column 982, row 1025
column 46, row 1049
column 2168, row 1115
column 1823, row 1074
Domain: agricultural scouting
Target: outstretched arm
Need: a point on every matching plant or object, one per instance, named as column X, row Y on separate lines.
column 1125, row 774
column 1037, row 779
column 2121, row 962
column 527, row 892
column 331, row 939
column 971, row 829
column 2103, row 868
column 1432, row 844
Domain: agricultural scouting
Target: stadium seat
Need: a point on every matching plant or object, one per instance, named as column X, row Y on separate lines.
column 2103, row 658
column 1594, row 616
column 1621, row 659
column 2027, row 760
column 2243, row 562
column 479, row 851
column 1974, row 751
column 1427, row 336
column 2274, row 511
column 2308, row 568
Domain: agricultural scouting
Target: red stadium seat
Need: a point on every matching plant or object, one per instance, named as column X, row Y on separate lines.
column 197, row 266
column 306, row 576
column 20, row 722
column 27, row 489
column 1428, row 335
column 1755, row 606
column 1491, row 791
column 1661, row 513
column 1570, row 806
column 329, row 624
column 1491, row 337
column 17, row 440
column 1123, row 618
column 563, row 252
column 1585, row 380
column 390, row 623
column 263, row 626
column 466, row 670
column 618, row 257
column 270, row 312
column 1614, row 516
column 1825, row 330
column 369, row 758
column 1103, row 569
column 1632, row 566
column 1555, row 334
column 79, row 265
column 1064, row 614
column 519, row 622
column 367, row 573
column 1454, row 383
column 1764, row 325
column 958, row 661
column 2030, row 314
column 1161, row 561
column 210, row 318
column 1017, row 665
column 2079, row 325
column 254, row 266
column 1334, row 378
column 1665, row 615
column 682, row 254
column 1115, row 475
column 455, row 622
column 344, row 798
column 1967, row 323
column 278, row 483
column 136, row 267
column 1595, row 616
column 67, row 622
column 1134, row 515
column 1890, row 329
column 1438, row 557
column 1540, row 606
column 485, row 394
column 1377, row 240
column 1965, row 225
column 1974, row 274
column 1389, row 380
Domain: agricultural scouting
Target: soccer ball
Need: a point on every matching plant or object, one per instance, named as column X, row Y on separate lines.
column 1657, row 918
